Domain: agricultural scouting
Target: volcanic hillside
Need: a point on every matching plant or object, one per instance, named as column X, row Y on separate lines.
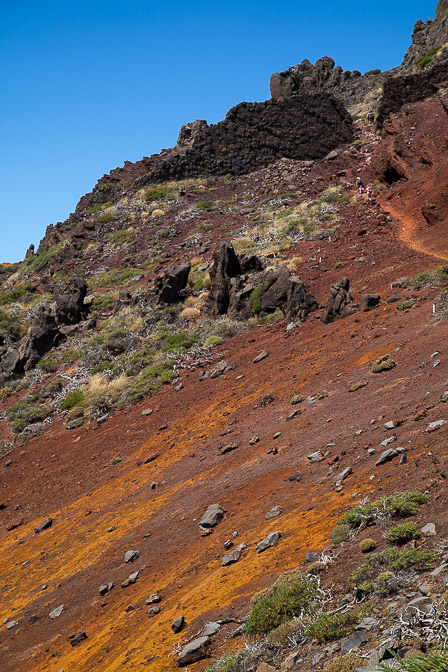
column 231, row 324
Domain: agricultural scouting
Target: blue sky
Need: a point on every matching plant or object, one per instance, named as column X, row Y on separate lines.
column 87, row 85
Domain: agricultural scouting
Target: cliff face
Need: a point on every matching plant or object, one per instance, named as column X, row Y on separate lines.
column 427, row 36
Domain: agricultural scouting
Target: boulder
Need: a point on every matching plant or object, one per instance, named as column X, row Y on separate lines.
column 57, row 612
column 77, row 637
column 386, row 456
column 70, row 307
column 286, row 292
column 233, row 556
column 10, row 362
column 213, row 515
column 194, row 651
column 42, row 337
column 226, row 266
column 369, row 301
column 354, row 641
column 169, row 285
column 340, row 303
column 44, row 525
column 271, row 540
column 130, row 556
column 210, row 629
column 178, row 624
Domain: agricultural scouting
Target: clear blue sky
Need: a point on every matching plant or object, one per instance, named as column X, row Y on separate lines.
column 87, row 85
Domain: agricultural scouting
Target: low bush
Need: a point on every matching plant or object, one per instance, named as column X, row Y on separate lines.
column 9, row 324
column 329, row 627
column 347, row 663
column 434, row 661
column 26, row 412
column 106, row 217
column 384, row 363
column 290, row 595
column 255, row 299
column 401, row 534
column 70, row 356
column 72, row 399
column 17, row 294
column 213, row 341
column 48, row 364
column 180, row 342
column 392, row 560
column 315, row 568
column 340, row 533
column 98, row 207
column 404, row 305
column 427, row 59
column 399, row 505
column 105, row 302
column 367, row 545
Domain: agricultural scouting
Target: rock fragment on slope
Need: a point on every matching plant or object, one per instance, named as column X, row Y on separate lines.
column 213, row 515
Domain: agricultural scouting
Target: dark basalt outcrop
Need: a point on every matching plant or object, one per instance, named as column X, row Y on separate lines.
column 340, row 302
column 306, row 126
column 427, row 36
column 70, row 307
column 286, row 292
column 323, row 76
column 169, row 285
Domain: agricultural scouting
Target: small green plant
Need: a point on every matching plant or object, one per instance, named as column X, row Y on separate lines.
column 48, row 364
column 290, row 595
column 106, row 217
column 72, row 399
column 213, row 341
column 401, row 534
column 296, row 399
column 26, row 412
column 156, row 192
column 103, row 303
column 427, row 59
column 340, row 533
column 354, row 387
column 329, row 627
column 9, row 324
column 98, row 208
column 398, row 505
column 434, row 661
column 180, row 342
column 376, row 71
column 116, row 460
column 315, row 568
column 204, row 205
column 70, row 356
column 347, row 663
column 392, row 560
column 367, row 545
column 255, row 299
column 404, row 305
column 340, row 264
column 17, row 294
column 384, row 363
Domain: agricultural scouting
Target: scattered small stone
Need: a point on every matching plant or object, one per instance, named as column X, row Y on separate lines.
column 228, row 544
column 131, row 607
column 429, row 530
column 265, row 399
column 262, row 355
column 33, row 618
column 77, row 637
column 386, row 456
column 179, row 387
column 271, row 540
column 163, row 426
column 194, row 651
column 233, row 556
column 419, row 601
column 106, row 588
column 425, row 589
column 154, row 610
column 292, row 415
column 276, row 435
column 343, row 475
column 254, row 440
column 213, row 515
column 44, row 587
column 11, row 625
column 436, row 363
column 390, row 425
column 146, row 412
column 151, row 458
column 368, row 623
column 44, row 525
column 274, row 512
column 388, row 441
column 433, row 426
column 314, row 457
column 178, row 624
column 312, row 557
column 153, row 485
column 8, row 463
column 111, row 528
column 371, row 451
column 228, row 449
column 295, row 477
column 130, row 556
column 57, row 612
column 132, row 578
column 153, row 599
column 310, row 401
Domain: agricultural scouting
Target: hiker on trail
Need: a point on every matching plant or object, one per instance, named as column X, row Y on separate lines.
column 369, row 192
column 370, row 117
column 361, row 189
column 358, row 182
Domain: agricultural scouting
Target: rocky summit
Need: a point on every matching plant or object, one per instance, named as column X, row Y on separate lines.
column 223, row 390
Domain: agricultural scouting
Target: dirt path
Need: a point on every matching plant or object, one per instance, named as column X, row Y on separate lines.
column 408, row 234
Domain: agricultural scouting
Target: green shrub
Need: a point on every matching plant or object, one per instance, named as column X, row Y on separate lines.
column 367, row 545
column 150, row 379
column 70, row 356
column 114, row 277
column 404, row 305
column 106, row 217
column 291, row 595
column 401, row 534
column 155, row 192
column 377, row 71
column 9, row 324
column 105, row 302
column 98, row 207
column 116, row 460
column 398, row 505
column 384, row 363
column 340, row 533
column 430, row 278
column 340, row 264
column 392, row 560
column 347, row 663
column 72, row 399
column 329, row 627
column 427, row 59
column 283, row 635
column 48, row 364
column 26, row 412
column 434, row 661
column 22, row 294
column 180, row 342
column 204, row 205
column 315, row 568
column 35, row 263
column 255, row 299
column 213, row 341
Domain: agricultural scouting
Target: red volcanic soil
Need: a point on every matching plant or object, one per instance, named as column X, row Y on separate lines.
column 69, row 475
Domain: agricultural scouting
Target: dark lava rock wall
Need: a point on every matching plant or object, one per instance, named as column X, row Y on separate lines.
column 399, row 91
column 255, row 134
column 426, row 36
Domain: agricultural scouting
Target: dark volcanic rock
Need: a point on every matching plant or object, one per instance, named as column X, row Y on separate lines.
column 70, row 307
column 226, row 266
column 194, row 651
column 305, row 126
column 340, row 303
column 213, row 515
column 286, row 292
column 369, row 301
column 77, row 638
column 172, row 282
column 44, row 525
column 41, row 339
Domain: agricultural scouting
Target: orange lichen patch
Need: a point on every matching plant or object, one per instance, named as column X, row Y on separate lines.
column 371, row 356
